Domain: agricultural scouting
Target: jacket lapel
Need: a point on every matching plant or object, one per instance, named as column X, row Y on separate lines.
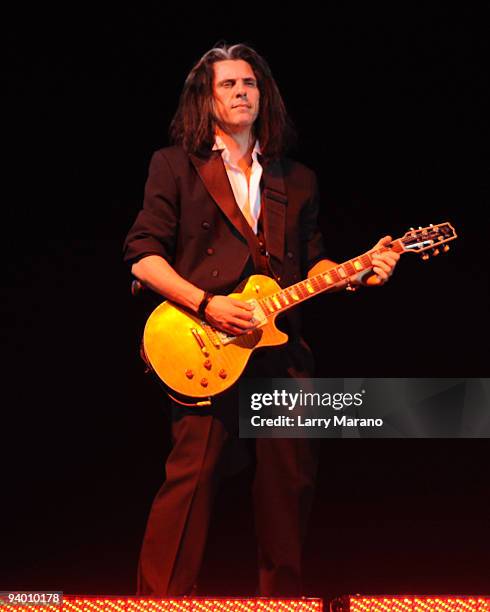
column 213, row 175
column 274, row 202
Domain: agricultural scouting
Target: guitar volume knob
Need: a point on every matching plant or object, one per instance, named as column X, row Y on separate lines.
column 189, row 374
column 204, row 382
column 222, row 373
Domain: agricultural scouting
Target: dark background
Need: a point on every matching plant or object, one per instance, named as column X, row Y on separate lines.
column 391, row 105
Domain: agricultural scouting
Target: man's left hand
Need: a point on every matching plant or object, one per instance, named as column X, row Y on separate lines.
column 384, row 263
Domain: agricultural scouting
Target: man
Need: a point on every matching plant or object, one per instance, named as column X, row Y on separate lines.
column 222, row 204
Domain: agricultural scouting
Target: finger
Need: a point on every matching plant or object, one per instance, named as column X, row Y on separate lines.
column 233, row 330
column 379, row 263
column 389, row 256
column 385, row 262
column 381, row 274
column 390, row 261
column 383, row 241
column 243, row 315
column 241, row 323
column 235, row 327
column 243, row 305
column 382, row 269
column 238, row 331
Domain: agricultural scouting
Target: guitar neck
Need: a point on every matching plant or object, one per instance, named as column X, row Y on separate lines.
column 296, row 294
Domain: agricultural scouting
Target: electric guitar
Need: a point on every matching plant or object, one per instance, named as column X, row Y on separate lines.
column 196, row 360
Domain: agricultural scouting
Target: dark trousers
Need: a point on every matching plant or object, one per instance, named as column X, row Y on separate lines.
column 204, row 447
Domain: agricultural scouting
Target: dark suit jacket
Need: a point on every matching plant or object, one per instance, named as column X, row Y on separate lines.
column 191, row 218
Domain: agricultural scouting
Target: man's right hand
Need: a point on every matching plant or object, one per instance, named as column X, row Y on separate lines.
column 229, row 315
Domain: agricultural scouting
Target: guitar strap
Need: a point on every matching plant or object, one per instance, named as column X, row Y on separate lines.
column 270, row 239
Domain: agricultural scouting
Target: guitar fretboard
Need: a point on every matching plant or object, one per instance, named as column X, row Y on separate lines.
column 305, row 289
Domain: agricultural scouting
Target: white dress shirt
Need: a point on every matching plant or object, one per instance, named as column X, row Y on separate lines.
column 247, row 193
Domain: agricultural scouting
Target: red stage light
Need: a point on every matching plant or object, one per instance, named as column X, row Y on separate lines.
column 140, row 604
column 407, row 603
column 411, row 603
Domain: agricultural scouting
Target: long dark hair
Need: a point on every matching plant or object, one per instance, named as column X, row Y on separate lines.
column 194, row 123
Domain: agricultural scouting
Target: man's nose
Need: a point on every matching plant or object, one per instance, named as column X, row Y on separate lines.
column 240, row 91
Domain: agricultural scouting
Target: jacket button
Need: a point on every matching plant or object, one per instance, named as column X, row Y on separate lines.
column 290, row 254
column 210, row 251
column 205, row 225
column 262, row 251
column 214, row 273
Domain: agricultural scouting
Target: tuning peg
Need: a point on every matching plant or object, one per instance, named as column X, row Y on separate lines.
column 420, row 227
column 435, row 252
column 431, row 225
column 445, row 248
column 425, row 256
column 412, row 229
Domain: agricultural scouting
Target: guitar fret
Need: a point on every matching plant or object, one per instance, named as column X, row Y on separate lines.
column 270, row 304
column 290, row 294
column 301, row 290
column 349, row 268
column 309, row 286
column 397, row 246
column 284, row 298
column 322, row 283
column 366, row 260
column 294, row 294
column 357, row 264
column 304, row 288
column 276, row 301
column 265, row 306
column 341, row 272
column 314, row 284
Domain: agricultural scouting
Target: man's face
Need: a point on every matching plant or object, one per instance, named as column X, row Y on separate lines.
column 236, row 95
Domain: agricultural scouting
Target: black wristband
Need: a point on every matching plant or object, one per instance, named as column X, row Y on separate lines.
column 204, row 302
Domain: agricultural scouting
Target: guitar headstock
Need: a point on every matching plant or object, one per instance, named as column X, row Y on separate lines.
column 428, row 238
